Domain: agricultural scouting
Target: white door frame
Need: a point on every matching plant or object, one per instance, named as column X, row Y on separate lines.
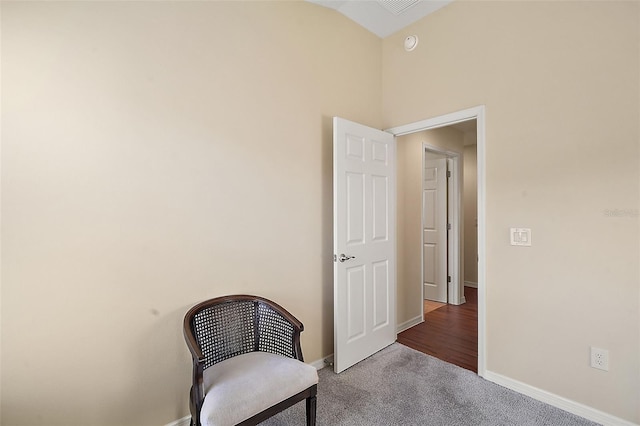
column 454, row 252
column 477, row 113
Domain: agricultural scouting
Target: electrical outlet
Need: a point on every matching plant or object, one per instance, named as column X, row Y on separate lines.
column 600, row 358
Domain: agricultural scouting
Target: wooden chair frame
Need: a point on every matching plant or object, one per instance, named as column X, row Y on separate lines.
column 202, row 361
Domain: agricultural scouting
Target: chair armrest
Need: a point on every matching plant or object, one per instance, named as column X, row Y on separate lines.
column 295, row 323
column 292, row 336
column 192, row 344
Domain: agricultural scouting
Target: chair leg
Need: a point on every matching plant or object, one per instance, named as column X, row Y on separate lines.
column 195, row 418
column 311, row 411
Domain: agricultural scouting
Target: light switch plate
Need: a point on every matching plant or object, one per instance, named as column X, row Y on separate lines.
column 520, row 236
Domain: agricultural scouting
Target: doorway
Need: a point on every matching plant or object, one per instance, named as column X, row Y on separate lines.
column 456, row 210
column 449, row 322
column 473, row 114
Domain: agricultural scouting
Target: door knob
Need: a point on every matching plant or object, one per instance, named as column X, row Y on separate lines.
column 343, row 257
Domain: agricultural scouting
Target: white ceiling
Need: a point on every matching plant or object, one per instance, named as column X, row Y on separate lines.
column 383, row 17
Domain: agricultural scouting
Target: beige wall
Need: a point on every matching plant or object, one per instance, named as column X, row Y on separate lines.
column 156, row 154
column 560, row 84
column 410, row 214
column 470, row 206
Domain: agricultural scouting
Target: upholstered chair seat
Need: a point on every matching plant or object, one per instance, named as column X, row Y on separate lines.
column 241, row 387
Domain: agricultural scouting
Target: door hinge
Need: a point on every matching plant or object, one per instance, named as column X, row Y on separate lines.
column 448, row 173
column 448, row 278
column 448, row 227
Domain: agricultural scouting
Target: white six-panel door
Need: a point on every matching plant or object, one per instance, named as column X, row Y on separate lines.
column 434, row 221
column 364, row 176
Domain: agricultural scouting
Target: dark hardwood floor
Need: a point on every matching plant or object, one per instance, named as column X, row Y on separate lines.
column 449, row 333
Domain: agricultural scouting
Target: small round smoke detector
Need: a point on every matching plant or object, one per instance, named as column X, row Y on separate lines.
column 410, row 43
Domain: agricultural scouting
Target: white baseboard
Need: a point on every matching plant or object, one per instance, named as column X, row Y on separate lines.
column 565, row 404
column 470, row 284
column 185, row 421
column 408, row 324
column 322, row 363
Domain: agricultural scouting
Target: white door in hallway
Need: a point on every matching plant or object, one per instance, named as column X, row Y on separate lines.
column 364, row 197
column 434, row 221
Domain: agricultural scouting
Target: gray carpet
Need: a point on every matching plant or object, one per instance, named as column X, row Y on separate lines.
column 401, row 386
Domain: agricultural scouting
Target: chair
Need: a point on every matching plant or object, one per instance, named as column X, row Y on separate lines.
column 247, row 362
